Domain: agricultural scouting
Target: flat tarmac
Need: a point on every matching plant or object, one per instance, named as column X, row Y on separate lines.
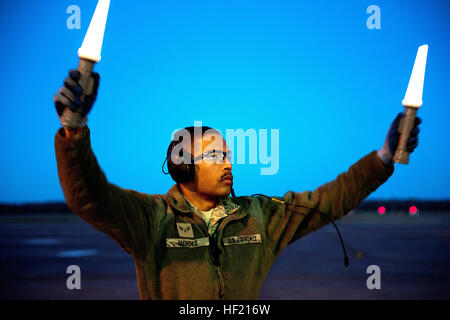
column 412, row 252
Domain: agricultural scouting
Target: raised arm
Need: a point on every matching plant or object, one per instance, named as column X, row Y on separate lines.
column 125, row 215
column 286, row 223
column 340, row 196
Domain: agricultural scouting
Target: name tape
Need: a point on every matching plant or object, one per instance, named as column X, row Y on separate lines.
column 251, row 238
column 187, row 243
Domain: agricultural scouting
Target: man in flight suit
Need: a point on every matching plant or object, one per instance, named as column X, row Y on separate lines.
column 196, row 242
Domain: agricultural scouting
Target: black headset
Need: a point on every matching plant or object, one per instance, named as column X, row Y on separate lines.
column 184, row 171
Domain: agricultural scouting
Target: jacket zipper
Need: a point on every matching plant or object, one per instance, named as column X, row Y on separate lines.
column 219, row 273
column 221, row 291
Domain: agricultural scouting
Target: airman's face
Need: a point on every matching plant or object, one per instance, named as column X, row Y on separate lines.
column 213, row 177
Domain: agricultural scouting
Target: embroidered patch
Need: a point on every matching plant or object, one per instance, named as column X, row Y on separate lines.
column 251, row 238
column 186, row 243
column 185, row 230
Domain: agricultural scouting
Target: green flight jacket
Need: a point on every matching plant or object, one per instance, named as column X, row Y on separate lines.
column 174, row 255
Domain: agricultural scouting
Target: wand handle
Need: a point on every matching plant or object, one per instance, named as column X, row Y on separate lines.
column 404, row 129
column 86, row 81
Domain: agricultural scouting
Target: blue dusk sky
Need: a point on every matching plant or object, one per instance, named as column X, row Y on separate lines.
column 312, row 70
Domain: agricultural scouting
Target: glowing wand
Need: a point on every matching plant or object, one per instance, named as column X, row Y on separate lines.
column 411, row 102
column 90, row 50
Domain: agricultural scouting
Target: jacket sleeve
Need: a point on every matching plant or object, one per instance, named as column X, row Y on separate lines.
column 286, row 223
column 124, row 215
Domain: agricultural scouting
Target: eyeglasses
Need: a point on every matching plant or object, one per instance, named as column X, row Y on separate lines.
column 215, row 156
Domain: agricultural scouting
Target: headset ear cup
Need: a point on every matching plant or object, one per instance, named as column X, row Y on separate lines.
column 183, row 172
column 188, row 172
column 191, row 172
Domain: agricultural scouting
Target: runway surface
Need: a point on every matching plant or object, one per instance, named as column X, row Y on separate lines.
column 413, row 253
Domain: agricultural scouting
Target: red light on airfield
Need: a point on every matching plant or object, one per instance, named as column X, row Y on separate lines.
column 413, row 210
column 381, row 210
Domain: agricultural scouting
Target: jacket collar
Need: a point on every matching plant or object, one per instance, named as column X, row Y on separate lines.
column 179, row 202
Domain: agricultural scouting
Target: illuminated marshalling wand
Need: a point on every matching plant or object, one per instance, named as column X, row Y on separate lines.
column 411, row 102
column 90, row 50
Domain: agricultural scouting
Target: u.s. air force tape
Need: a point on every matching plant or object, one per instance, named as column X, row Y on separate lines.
column 186, row 243
column 251, row 238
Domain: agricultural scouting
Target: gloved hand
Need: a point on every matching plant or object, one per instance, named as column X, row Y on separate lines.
column 386, row 153
column 71, row 110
